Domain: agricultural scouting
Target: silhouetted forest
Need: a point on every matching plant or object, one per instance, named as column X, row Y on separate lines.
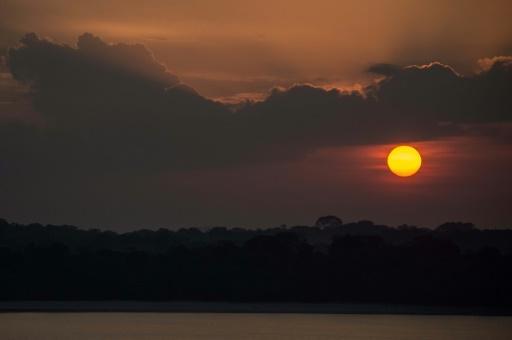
column 455, row 264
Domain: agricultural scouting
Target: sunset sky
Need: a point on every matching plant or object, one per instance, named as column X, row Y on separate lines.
column 128, row 114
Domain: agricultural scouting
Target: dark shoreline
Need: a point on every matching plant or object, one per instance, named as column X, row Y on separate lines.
column 226, row 307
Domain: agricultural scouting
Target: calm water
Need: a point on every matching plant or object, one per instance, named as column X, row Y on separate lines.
column 113, row 326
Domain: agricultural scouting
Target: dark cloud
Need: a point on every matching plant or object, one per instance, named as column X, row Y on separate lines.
column 111, row 106
column 114, row 107
column 437, row 92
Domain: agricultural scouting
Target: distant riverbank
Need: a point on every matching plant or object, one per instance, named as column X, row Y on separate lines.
column 225, row 307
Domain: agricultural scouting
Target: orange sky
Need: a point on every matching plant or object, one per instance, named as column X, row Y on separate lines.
column 232, row 49
column 354, row 182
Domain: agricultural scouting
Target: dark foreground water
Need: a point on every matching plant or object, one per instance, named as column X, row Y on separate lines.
column 190, row 326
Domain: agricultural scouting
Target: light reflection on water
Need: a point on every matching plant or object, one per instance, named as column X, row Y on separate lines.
column 113, row 326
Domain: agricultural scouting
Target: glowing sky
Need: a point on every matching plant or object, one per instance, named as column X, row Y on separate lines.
column 124, row 156
column 229, row 48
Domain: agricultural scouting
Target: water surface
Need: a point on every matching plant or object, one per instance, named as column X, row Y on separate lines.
column 225, row 326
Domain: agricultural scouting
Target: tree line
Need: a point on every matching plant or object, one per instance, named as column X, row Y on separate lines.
column 455, row 264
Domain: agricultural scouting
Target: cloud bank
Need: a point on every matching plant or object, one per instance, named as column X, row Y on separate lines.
column 114, row 106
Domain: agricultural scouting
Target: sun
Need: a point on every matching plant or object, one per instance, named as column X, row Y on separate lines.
column 404, row 161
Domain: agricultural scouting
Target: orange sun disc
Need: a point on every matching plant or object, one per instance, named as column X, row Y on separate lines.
column 404, row 161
